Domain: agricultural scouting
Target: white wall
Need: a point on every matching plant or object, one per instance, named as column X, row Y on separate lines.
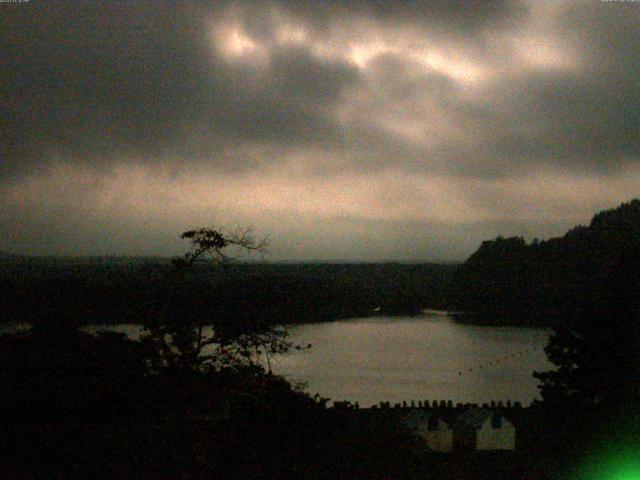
column 440, row 440
column 503, row 438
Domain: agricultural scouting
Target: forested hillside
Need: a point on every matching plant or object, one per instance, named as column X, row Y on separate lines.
column 123, row 290
column 510, row 280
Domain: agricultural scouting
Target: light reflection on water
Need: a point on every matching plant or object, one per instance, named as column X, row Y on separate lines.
column 416, row 358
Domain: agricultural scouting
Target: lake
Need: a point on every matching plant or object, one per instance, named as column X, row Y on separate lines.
column 375, row 359
column 416, row 358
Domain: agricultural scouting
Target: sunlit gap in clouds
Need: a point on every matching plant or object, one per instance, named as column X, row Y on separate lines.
column 232, row 39
column 234, row 43
column 359, row 42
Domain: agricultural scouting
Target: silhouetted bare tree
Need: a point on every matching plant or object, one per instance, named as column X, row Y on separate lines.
column 184, row 333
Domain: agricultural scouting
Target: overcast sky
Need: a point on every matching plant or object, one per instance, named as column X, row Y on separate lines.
column 354, row 130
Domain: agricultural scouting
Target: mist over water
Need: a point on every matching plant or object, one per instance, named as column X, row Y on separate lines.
column 416, row 358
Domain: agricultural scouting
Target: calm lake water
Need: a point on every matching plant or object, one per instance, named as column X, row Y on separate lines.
column 416, row 358
column 369, row 360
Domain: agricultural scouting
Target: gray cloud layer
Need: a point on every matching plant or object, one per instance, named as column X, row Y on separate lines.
column 462, row 94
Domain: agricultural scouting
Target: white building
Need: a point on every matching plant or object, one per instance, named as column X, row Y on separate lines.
column 482, row 429
column 436, row 433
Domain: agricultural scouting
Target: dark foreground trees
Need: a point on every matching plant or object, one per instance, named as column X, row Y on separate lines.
column 592, row 398
column 510, row 281
column 57, row 370
column 597, row 351
column 78, row 405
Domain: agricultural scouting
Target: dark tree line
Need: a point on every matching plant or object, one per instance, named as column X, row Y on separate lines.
column 533, row 283
column 117, row 290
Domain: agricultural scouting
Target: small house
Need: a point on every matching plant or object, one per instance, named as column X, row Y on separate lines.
column 483, row 429
column 433, row 430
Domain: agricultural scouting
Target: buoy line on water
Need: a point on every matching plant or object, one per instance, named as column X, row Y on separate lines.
column 499, row 360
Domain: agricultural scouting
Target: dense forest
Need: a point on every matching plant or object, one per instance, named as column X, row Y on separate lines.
column 509, row 280
column 121, row 290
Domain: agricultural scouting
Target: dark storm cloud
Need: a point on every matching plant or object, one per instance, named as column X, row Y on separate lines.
column 568, row 122
column 460, row 17
column 97, row 82
column 584, row 118
column 93, row 81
